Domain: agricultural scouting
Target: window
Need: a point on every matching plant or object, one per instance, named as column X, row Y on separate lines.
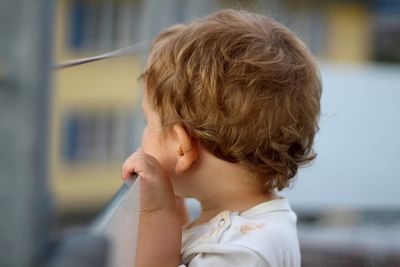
column 387, row 36
column 97, row 135
column 104, row 24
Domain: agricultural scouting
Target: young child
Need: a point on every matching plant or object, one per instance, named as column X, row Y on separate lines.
column 232, row 103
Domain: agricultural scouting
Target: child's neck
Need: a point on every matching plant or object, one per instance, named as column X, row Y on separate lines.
column 226, row 186
column 210, row 209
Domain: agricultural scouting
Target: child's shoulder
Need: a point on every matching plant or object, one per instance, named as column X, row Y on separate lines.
column 266, row 232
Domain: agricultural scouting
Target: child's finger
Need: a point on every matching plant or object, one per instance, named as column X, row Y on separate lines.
column 142, row 164
column 145, row 165
column 128, row 168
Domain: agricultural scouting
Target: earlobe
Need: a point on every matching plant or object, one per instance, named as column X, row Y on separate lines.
column 187, row 149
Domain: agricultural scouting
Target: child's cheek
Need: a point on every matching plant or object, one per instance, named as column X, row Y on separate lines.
column 161, row 149
column 148, row 144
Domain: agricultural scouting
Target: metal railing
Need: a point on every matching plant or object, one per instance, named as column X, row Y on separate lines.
column 110, row 241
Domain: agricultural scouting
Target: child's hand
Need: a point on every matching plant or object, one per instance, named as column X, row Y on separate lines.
column 160, row 233
column 156, row 192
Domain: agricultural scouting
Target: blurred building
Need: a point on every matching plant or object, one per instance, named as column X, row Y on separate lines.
column 356, row 31
column 93, row 105
column 94, row 122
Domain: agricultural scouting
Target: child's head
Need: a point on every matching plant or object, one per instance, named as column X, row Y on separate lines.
column 242, row 85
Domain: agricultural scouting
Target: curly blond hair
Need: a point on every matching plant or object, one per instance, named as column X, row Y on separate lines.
column 244, row 86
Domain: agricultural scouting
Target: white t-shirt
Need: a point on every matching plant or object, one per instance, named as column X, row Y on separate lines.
column 264, row 235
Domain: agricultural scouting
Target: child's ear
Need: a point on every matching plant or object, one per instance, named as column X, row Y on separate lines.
column 187, row 149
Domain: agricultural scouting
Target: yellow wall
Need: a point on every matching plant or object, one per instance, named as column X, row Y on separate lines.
column 349, row 32
column 108, row 84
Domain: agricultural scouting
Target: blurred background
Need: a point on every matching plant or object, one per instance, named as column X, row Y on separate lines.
column 90, row 119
